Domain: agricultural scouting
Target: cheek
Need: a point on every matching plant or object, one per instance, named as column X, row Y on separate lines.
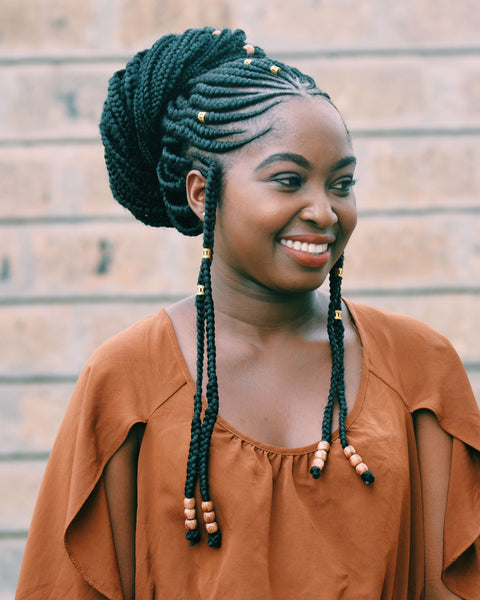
column 348, row 218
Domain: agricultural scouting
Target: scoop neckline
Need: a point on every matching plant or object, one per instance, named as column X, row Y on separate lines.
column 263, row 446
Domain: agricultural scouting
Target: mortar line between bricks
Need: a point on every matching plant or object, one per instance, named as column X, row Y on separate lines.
column 37, row 379
column 13, row 535
column 421, row 211
column 406, row 132
column 23, row 456
column 470, row 366
column 163, row 299
column 92, row 299
column 412, row 291
column 339, row 53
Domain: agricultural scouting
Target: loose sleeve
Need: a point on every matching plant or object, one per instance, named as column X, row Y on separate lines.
column 70, row 551
column 449, row 396
column 424, row 368
column 457, row 412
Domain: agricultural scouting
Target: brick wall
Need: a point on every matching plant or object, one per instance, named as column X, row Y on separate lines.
column 75, row 268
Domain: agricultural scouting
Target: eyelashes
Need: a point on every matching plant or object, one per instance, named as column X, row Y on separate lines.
column 291, row 182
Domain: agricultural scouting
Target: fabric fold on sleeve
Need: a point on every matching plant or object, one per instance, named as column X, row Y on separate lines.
column 70, row 551
column 461, row 550
column 453, row 403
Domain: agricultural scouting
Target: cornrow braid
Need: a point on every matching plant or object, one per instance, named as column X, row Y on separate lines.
column 180, row 105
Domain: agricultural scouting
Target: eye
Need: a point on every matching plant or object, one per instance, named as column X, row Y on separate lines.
column 289, row 181
column 343, row 186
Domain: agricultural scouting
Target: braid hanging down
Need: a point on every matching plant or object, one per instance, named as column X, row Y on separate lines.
column 183, row 104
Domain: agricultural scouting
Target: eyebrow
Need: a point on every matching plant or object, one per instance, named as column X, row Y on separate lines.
column 344, row 162
column 301, row 161
column 298, row 159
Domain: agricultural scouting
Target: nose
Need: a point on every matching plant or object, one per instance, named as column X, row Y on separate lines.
column 318, row 209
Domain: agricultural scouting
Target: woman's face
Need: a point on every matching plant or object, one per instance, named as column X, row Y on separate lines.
column 288, row 207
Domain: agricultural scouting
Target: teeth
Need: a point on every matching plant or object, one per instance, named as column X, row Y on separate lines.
column 305, row 247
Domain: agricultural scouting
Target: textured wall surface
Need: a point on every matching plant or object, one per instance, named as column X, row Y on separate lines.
column 75, row 268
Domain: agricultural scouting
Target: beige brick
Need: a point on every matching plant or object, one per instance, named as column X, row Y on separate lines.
column 371, row 93
column 406, row 173
column 50, row 101
column 31, row 415
column 305, row 25
column 46, row 24
column 55, row 180
column 11, row 552
column 393, row 173
column 99, row 258
column 146, row 20
column 471, row 90
column 54, row 26
column 20, row 482
column 423, row 251
column 401, row 92
column 59, row 339
column 129, row 258
column 358, row 23
column 474, row 377
column 14, row 261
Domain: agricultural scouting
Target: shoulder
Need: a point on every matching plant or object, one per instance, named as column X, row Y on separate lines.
column 410, row 356
column 141, row 341
column 406, row 337
column 137, row 369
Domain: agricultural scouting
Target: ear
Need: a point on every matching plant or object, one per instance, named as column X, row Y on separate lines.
column 196, row 185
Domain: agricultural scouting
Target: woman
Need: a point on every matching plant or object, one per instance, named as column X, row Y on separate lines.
column 205, row 133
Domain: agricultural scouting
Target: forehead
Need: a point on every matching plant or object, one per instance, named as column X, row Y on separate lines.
column 306, row 125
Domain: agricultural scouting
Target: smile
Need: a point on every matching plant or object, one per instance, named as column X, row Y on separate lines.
column 314, row 249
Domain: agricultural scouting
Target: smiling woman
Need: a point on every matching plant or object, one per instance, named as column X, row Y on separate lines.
column 243, row 384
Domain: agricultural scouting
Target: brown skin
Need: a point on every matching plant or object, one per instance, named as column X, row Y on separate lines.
column 270, row 317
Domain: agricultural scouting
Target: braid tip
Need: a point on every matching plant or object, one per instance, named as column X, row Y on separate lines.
column 315, row 472
column 367, row 477
column 193, row 536
column 215, row 539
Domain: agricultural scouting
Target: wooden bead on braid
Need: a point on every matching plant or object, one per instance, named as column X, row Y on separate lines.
column 211, row 524
column 360, row 467
column 320, row 457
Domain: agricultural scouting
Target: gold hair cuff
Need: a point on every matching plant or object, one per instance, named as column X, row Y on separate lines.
column 275, row 70
column 201, row 116
column 338, row 315
column 206, row 253
column 248, row 61
column 340, row 272
column 200, row 290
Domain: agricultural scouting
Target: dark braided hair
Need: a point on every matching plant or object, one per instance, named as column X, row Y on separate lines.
column 183, row 104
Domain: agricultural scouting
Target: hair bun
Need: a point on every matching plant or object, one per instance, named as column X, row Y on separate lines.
column 131, row 122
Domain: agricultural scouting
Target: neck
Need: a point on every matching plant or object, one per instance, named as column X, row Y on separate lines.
column 257, row 307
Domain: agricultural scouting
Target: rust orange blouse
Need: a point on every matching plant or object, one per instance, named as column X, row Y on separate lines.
column 285, row 535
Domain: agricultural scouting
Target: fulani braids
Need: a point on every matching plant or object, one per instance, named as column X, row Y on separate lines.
column 180, row 105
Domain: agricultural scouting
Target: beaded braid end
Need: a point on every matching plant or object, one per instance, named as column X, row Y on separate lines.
column 357, row 463
column 193, row 535
column 211, row 525
column 319, row 459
